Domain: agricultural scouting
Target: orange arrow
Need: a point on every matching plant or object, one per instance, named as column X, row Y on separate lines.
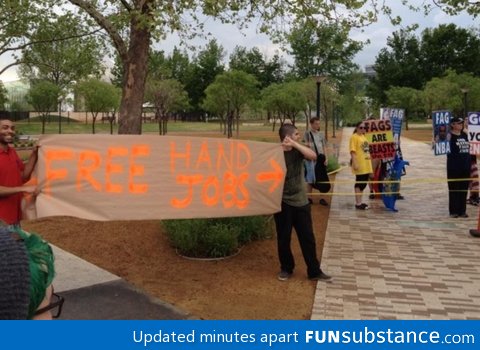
column 276, row 175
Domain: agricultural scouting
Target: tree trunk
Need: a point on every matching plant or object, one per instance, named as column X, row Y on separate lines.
column 135, row 72
column 238, row 123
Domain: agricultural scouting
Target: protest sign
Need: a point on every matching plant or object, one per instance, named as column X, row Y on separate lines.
column 134, row 177
column 380, row 138
column 395, row 115
column 441, row 132
column 474, row 132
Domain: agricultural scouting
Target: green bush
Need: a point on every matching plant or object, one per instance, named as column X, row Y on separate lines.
column 332, row 163
column 214, row 238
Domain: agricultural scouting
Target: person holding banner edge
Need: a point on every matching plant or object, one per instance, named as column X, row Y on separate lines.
column 296, row 210
column 458, row 169
column 360, row 162
column 13, row 175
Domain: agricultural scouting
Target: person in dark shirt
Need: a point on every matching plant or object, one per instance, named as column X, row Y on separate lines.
column 296, row 211
column 458, row 169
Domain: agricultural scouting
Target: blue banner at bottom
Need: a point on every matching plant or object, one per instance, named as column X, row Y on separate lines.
column 245, row 335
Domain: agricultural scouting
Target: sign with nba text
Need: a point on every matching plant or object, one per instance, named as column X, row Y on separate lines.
column 441, row 132
column 380, row 138
column 138, row 177
column 474, row 132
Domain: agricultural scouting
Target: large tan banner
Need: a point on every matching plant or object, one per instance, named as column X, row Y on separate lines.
column 136, row 177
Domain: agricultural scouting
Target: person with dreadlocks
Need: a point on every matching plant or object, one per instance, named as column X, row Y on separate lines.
column 26, row 274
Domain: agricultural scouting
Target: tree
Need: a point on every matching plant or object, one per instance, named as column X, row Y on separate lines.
column 400, row 64
column 217, row 103
column 132, row 24
column 157, row 66
column 98, row 96
column 205, row 68
column 179, row 65
column 450, row 47
column 284, row 101
column 167, row 96
column 411, row 62
column 3, row 96
column 323, row 48
column 17, row 19
column 446, row 93
column 406, row 98
column 43, row 97
column 239, row 89
column 61, row 62
column 351, row 105
column 253, row 62
column 142, row 20
column 454, row 7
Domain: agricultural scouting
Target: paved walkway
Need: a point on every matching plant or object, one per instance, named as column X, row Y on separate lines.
column 92, row 293
column 414, row 264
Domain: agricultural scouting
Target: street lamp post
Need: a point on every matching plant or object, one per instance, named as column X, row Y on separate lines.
column 465, row 92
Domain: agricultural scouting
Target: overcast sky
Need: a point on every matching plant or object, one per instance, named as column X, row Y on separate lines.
column 229, row 36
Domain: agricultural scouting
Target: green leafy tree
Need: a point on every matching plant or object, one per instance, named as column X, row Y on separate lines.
column 18, row 19
column 411, row 62
column 205, row 68
column 3, row 96
column 450, row 47
column 351, row 101
column 43, row 97
column 239, row 89
column 406, row 98
column 132, row 24
column 179, row 65
column 284, row 101
column 168, row 97
column 323, row 48
column 446, row 93
column 454, row 7
column 254, row 63
column 400, row 64
column 157, row 66
column 61, row 62
column 217, row 104
column 99, row 97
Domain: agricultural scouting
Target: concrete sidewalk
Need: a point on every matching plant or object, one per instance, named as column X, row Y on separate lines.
column 92, row 293
column 417, row 263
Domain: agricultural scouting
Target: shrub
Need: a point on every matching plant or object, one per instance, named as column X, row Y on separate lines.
column 332, row 163
column 214, row 238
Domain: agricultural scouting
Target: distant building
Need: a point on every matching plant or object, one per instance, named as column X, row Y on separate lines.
column 17, row 95
column 370, row 71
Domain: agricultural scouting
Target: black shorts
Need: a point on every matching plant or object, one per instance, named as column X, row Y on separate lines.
column 361, row 181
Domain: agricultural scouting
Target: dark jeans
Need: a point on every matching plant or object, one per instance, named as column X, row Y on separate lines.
column 457, row 196
column 299, row 218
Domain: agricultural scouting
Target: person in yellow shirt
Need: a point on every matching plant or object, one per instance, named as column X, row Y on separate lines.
column 361, row 163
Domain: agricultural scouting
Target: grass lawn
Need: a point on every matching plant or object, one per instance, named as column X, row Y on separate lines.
column 34, row 127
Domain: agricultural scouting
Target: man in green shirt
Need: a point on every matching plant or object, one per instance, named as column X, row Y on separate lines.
column 296, row 211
